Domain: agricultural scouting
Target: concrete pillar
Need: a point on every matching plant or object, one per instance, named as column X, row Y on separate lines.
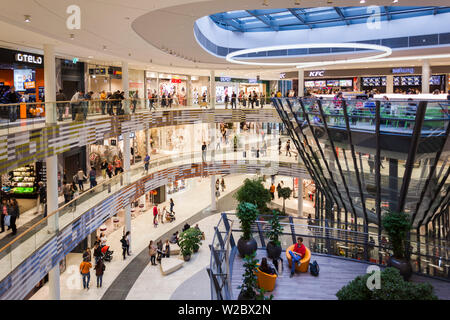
column 300, row 196
column 301, row 83
column 426, row 74
column 390, row 84
column 51, row 163
column 212, row 147
column 147, row 141
column 188, row 91
column 126, row 168
column 212, row 89
column 158, row 93
column 125, row 85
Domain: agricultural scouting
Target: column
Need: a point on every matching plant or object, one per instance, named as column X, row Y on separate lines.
column 393, row 184
column 188, row 91
column 390, row 84
column 126, row 168
column 125, row 87
column 301, row 83
column 51, row 162
column 158, row 93
column 300, row 196
column 426, row 74
column 147, row 140
column 212, row 89
column 212, row 147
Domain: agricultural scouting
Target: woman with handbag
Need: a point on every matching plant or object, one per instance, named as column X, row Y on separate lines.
column 152, row 252
column 4, row 214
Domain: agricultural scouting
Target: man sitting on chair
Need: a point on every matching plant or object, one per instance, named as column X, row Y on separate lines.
column 297, row 255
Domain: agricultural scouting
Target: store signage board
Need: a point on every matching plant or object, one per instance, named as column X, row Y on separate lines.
column 403, row 70
column 28, row 58
column 283, row 75
column 176, row 80
column 319, row 73
column 225, row 79
column 252, row 80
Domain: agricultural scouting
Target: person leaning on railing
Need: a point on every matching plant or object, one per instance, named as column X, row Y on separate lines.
column 103, row 102
column 75, row 103
column 60, row 96
column 11, row 96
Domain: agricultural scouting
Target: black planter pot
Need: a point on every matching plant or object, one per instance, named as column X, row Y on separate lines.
column 187, row 258
column 401, row 265
column 246, row 247
column 273, row 251
column 196, row 249
column 243, row 296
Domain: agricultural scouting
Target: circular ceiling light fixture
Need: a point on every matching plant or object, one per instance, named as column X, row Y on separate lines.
column 385, row 51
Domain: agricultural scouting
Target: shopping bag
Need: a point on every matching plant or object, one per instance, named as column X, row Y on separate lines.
column 7, row 221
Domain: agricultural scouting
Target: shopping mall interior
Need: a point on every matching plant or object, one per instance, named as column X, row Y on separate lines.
column 225, row 150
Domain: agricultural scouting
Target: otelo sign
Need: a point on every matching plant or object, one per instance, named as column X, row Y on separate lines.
column 28, row 58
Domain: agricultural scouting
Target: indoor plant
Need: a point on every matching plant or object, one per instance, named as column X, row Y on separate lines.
column 253, row 191
column 247, row 214
column 249, row 283
column 274, row 246
column 392, row 287
column 397, row 226
column 188, row 241
column 197, row 239
column 285, row 193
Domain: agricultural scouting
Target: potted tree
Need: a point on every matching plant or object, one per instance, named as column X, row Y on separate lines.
column 253, row 191
column 249, row 283
column 397, row 226
column 247, row 214
column 274, row 246
column 197, row 237
column 285, row 193
column 188, row 241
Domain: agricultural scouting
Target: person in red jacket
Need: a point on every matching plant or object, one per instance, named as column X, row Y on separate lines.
column 298, row 254
column 155, row 216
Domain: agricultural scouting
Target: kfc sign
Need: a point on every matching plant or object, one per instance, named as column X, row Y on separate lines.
column 28, row 58
column 316, row 73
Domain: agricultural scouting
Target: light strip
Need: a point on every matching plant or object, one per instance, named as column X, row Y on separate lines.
column 386, row 51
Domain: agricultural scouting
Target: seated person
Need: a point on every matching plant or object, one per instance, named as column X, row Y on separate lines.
column 297, row 255
column 266, row 268
column 174, row 238
column 186, row 226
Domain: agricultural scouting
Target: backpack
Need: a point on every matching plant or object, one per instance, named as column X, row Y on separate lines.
column 314, row 268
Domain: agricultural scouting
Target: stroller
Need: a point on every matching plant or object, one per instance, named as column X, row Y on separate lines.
column 107, row 254
column 170, row 216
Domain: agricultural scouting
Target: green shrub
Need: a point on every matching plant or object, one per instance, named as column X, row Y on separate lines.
column 275, row 228
column 249, row 283
column 189, row 240
column 393, row 287
column 253, row 191
column 397, row 226
column 247, row 214
column 285, row 193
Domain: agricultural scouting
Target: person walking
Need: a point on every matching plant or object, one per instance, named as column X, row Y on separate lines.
column 146, row 163
column 155, row 216
column 204, row 152
column 279, row 146
column 233, row 100
column 42, row 198
column 80, row 179
column 14, row 213
column 97, row 251
column 11, row 97
column 226, row 100
column 4, row 213
column 222, row 184
column 288, row 147
column 92, row 177
column 152, row 252
column 104, row 167
column 171, row 204
column 161, row 214
column 272, row 191
column 60, row 96
column 85, row 270
column 128, row 238
column 117, row 166
column 99, row 270
column 167, row 250
column 159, row 250
column 124, row 243
column 110, row 170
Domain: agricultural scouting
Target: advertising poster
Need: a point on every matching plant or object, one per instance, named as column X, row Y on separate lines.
column 23, row 79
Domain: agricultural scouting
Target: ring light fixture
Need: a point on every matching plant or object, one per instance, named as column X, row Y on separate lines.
column 385, row 51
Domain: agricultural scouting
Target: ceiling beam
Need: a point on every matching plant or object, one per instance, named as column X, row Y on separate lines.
column 270, row 23
column 339, row 12
column 302, row 20
column 230, row 22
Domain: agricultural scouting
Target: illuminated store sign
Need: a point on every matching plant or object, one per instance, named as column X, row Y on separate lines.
column 28, row 58
column 316, row 73
column 225, row 79
column 283, row 75
column 403, row 70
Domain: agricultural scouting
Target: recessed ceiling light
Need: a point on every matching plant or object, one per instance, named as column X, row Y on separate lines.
column 362, row 1
column 27, row 18
column 90, row 57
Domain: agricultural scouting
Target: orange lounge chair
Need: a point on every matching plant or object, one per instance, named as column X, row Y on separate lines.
column 266, row 281
column 304, row 263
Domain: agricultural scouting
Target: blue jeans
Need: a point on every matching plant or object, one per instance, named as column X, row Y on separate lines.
column 295, row 258
column 86, row 282
column 99, row 280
